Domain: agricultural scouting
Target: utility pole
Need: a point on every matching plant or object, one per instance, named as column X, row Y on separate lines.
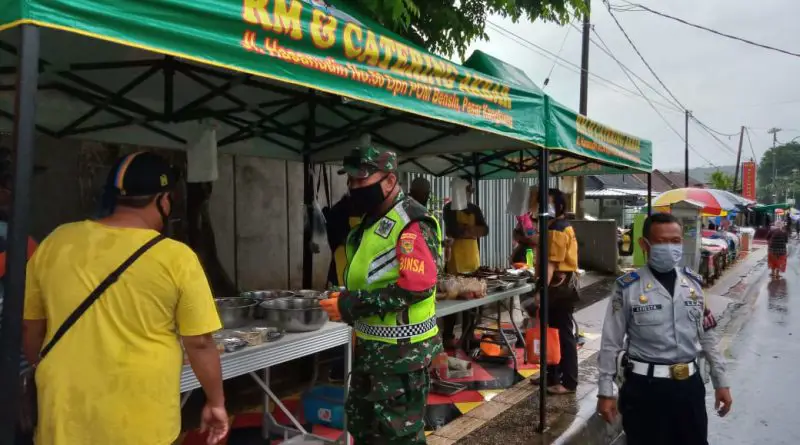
column 686, row 152
column 583, row 105
column 774, row 132
column 738, row 160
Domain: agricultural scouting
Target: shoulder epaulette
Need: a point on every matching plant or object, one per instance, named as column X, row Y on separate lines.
column 627, row 279
column 693, row 275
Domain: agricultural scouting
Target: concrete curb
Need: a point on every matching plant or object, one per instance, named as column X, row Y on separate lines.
column 593, row 430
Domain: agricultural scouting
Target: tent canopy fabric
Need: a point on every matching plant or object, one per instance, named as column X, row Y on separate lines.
column 592, row 147
column 286, row 79
column 771, row 208
column 282, row 78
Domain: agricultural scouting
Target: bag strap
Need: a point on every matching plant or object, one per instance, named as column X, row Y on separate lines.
column 96, row 293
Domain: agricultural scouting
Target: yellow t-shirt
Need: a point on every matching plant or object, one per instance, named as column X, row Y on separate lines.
column 464, row 254
column 563, row 246
column 114, row 378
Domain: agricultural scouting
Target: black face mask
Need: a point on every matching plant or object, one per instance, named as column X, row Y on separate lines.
column 367, row 199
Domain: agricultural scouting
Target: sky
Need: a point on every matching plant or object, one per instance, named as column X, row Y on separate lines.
column 724, row 83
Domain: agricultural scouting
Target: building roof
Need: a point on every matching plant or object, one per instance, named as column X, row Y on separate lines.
column 626, row 181
column 678, row 180
column 617, row 193
column 665, row 181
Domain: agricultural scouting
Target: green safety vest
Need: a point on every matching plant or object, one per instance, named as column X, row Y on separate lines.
column 373, row 264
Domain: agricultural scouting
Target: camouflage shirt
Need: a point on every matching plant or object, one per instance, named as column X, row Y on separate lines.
column 377, row 357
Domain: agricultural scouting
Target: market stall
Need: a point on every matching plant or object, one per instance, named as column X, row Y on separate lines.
column 298, row 83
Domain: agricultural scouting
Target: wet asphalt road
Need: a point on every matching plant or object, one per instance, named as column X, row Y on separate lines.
column 763, row 364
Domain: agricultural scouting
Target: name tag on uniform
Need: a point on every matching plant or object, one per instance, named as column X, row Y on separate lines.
column 693, row 303
column 647, row 308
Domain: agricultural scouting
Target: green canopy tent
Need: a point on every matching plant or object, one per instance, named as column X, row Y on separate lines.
column 771, row 208
column 579, row 146
column 288, row 79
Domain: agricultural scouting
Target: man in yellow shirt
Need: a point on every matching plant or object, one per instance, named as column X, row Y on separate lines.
column 111, row 375
column 465, row 228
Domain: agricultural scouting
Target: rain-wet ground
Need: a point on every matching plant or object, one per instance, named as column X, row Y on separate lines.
column 763, row 363
column 572, row 419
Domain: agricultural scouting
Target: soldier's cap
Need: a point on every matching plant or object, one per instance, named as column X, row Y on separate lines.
column 141, row 174
column 364, row 161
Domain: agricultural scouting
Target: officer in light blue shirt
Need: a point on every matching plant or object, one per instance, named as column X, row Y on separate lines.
column 656, row 316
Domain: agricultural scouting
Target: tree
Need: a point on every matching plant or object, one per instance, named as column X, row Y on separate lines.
column 447, row 27
column 721, row 180
column 775, row 185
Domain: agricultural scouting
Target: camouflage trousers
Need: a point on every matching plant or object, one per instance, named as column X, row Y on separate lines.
column 388, row 409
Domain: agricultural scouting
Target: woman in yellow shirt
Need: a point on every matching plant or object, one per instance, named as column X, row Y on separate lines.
column 562, row 279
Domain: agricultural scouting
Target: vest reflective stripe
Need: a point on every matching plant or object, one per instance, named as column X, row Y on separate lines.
column 373, row 264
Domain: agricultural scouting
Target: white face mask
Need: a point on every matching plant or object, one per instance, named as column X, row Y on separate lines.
column 664, row 257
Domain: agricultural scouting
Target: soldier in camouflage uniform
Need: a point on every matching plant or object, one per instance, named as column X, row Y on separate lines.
column 392, row 259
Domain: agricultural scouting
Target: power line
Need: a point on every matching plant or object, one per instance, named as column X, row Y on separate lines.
column 663, row 85
column 704, row 28
column 552, row 68
column 711, row 132
column 652, row 71
column 750, row 143
column 605, row 48
column 567, row 64
column 727, row 150
column 727, row 135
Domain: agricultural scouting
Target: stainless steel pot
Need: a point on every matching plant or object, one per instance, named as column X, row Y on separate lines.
column 308, row 293
column 235, row 312
column 263, row 295
column 294, row 314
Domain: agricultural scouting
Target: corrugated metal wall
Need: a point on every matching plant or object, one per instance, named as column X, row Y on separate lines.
column 493, row 196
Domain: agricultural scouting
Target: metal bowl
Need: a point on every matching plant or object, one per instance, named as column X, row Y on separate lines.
column 263, row 295
column 267, row 294
column 294, row 314
column 235, row 312
column 309, row 293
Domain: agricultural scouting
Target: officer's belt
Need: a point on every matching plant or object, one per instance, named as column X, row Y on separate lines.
column 395, row 332
column 680, row 371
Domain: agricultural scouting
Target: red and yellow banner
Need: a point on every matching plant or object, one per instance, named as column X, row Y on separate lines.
column 749, row 180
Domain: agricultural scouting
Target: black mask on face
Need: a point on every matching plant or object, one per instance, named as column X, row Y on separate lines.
column 367, row 199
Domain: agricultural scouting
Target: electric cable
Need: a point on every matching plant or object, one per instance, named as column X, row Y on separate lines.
column 607, row 50
column 569, row 65
column 652, row 71
column 701, row 27
column 552, row 68
column 750, row 143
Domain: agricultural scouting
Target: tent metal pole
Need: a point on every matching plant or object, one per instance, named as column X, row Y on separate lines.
column 477, row 175
column 308, row 192
column 542, row 286
column 24, row 134
column 649, row 194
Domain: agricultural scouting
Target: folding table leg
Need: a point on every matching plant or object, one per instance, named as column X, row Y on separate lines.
column 520, row 337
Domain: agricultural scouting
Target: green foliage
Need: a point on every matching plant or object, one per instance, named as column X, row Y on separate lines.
column 721, row 180
column 447, row 27
column 775, row 185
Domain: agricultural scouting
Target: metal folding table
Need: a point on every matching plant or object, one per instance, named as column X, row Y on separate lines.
column 262, row 357
column 450, row 307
